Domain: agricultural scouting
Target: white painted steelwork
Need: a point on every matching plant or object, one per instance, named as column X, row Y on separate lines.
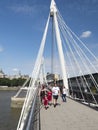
column 53, row 12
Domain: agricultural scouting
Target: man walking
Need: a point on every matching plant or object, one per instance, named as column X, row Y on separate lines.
column 64, row 94
column 55, row 93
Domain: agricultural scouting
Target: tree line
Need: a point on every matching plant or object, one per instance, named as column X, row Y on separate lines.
column 12, row 82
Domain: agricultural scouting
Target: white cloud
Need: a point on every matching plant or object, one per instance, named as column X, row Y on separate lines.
column 86, row 34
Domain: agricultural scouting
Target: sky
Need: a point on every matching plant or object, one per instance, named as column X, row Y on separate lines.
column 22, row 24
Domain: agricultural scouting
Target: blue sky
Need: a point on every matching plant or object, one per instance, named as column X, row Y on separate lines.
column 22, row 24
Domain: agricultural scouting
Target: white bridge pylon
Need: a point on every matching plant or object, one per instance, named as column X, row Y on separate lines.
column 35, row 74
column 53, row 13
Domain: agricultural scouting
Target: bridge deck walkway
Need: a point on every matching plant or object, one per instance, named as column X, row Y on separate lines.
column 69, row 116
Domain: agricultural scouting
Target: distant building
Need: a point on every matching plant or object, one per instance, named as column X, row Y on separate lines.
column 52, row 77
column 19, row 75
column 24, row 76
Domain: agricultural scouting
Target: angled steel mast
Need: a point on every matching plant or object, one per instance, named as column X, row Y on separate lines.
column 53, row 13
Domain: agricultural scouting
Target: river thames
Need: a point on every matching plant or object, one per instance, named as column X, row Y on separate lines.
column 8, row 116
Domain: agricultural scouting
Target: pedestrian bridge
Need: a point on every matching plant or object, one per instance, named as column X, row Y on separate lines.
column 78, row 70
column 70, row 115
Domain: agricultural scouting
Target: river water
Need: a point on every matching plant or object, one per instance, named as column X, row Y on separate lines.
column 8, row 116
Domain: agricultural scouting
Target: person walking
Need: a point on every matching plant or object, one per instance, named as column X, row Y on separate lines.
column 49, row 96
column 55, row 93
column 43, row 96
column 45, row 102
column 64, row 94
column 42, row 92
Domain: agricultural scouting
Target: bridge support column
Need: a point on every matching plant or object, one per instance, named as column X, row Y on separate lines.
column 53, row 13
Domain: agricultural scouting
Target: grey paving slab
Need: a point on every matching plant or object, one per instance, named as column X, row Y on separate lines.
column 69, row 116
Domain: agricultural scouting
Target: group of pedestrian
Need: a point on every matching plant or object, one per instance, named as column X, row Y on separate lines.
column 45, row 94
column 49, row 95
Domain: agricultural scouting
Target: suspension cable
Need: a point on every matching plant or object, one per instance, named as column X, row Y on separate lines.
column 70, row 36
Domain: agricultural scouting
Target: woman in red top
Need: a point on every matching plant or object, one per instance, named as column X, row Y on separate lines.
column 49, row 96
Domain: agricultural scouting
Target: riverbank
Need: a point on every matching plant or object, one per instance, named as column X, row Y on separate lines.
column 6, row 88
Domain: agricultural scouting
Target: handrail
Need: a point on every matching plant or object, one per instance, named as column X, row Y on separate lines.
column 31, row 111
